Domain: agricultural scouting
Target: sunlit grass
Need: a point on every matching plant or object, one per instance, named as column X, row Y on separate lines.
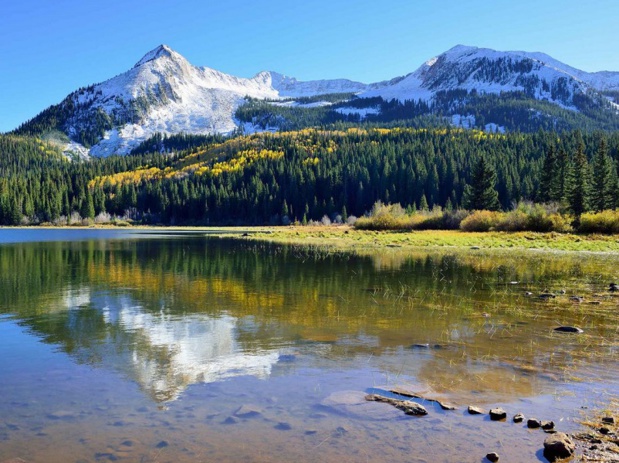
column 347, row 238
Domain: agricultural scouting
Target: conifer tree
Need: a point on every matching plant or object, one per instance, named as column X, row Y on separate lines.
column 481, row 193
column 558, row 185
column 423, row 203
column 602, row 188
column 578, row 192
column 549, row 172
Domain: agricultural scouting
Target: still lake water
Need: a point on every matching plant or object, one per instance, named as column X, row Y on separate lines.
column 114, row 347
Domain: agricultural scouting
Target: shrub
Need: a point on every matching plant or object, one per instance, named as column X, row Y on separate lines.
column 534, row 217
column 384, row 217
column 438, row 220
column 561, row 223
column 103, row 217
column 606, row 222
column 453, row 219
column 481, row 221
column 516, row 220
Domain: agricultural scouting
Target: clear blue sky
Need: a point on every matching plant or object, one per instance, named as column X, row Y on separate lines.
column 50, row 48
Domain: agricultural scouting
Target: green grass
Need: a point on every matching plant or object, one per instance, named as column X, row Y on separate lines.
column 345, row 238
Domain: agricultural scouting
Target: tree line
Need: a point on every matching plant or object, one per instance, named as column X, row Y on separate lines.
column 307, row 174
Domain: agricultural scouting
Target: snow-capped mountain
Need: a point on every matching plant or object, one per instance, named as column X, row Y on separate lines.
column 164, row 93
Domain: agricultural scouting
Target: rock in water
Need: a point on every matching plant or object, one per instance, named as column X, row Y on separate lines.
column 518, row 418
column 493, row 457
column 407, row 406
column 534, row 423
column 248, row 411
column 558, row 445
column 475, row 410
column 548, row 425
column 497, row 414
column 283, row 426
column 568, row 329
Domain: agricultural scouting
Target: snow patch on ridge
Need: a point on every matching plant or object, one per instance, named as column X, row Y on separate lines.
column 362, row 112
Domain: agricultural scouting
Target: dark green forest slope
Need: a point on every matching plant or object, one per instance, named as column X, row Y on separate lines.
column 302, row 175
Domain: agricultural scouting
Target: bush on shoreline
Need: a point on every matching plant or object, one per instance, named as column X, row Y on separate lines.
column 525, row 216
column 605, row 222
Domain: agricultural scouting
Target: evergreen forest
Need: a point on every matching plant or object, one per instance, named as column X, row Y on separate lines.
column 305, row 175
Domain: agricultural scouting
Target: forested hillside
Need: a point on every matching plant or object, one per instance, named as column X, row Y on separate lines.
column 302, row 175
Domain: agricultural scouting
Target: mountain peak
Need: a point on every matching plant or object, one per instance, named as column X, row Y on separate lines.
column 161, row 51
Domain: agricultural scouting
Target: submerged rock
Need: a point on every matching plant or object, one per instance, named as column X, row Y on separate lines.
column 248, row 411
column 283, row 426
column 476, row 410
column 557, row 446
column 407, row 406
column 354, row 404
column 497, row 414
column 518, row 418
column 61, row 415
column 429, row 398
column 568, row 329
column 420, row 346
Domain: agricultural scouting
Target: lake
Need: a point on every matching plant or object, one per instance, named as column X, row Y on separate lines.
column 117, row 346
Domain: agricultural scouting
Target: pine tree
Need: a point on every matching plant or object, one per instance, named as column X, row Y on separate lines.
column 578, row 192
column 87, row 211
column 548, row 175
column 423, row 203
column 602, row 188
column 481, row 193
column 558, row 186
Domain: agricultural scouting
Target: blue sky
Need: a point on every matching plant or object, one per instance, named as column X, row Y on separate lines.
column 50, row 48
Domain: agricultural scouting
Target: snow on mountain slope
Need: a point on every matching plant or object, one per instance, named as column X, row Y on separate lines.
column 491, row 71
column 291, row 87
column 164, row 93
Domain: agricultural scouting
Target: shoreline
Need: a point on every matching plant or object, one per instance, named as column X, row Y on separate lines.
column 346, row 238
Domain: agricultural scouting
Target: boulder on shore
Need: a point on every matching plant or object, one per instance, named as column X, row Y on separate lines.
column 497, row 414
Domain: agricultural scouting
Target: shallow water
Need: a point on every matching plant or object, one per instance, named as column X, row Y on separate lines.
column 117, row 349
